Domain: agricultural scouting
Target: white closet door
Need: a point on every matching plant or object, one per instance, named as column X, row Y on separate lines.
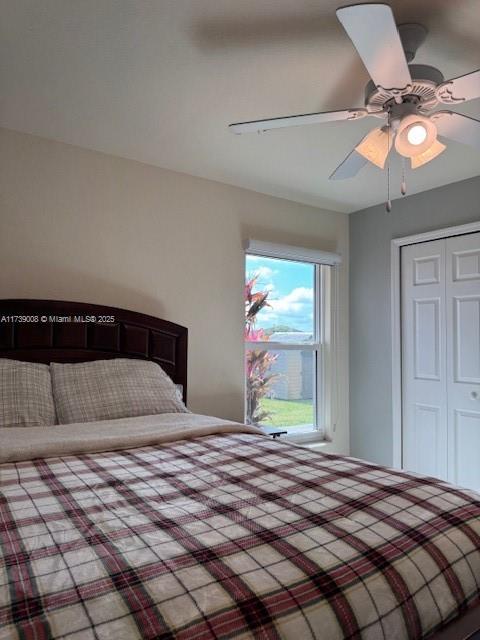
column 424, row 359
column 463, row 331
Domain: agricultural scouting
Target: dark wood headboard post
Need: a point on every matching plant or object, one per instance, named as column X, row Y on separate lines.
column 55, row 331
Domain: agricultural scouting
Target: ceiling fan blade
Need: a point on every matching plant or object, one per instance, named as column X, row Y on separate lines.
column 372, row 29
column 292, row 121
column 458, row 127
column 460, row 89
column 376, row 146
column 435, row 150
column 349, row 167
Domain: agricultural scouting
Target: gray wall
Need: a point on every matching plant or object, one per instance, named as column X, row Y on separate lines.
column 371, row 231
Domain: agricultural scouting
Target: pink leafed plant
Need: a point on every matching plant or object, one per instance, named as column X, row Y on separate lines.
column 258, row 362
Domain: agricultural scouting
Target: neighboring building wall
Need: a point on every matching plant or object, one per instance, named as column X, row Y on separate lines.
column 307, row 375
column 288, row 367
column 294, row 369
column 371, row 232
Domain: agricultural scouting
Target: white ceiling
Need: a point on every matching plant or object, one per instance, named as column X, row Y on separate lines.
column 159, row 81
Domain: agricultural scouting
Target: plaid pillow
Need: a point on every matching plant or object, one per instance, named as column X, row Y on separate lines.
column 109, row 389
column 26, row 398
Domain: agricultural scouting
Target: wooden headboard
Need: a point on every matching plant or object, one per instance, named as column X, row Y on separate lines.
column 55, row 331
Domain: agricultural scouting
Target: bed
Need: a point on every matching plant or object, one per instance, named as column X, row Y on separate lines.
column 179, row 526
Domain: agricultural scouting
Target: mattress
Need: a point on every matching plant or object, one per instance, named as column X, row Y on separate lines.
column 189, row 527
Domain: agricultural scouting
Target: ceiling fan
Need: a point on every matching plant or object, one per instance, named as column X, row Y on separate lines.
column 403, row 95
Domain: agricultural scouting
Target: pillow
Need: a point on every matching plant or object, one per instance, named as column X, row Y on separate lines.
column 109, row 389
column 26, row 398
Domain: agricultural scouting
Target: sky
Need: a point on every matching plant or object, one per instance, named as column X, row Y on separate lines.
column 291, row 287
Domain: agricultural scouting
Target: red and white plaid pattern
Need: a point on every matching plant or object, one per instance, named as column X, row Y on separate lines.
column 231, row 536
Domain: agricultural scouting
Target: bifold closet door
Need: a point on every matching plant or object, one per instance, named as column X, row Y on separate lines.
column 424, row 369
column 463, row 356
column 441, row 359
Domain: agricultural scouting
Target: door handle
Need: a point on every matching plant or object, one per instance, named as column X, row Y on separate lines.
column 474, row 395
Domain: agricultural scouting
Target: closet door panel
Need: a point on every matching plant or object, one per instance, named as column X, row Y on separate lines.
column 424, row 359
column 463, row 357
column 466, row 449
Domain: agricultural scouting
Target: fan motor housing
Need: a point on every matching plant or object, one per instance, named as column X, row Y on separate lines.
column 425, row 80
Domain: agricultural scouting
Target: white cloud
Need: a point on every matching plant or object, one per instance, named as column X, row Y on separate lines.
column 264, row 277
column 261, row 273
column 298, row 301
column 295, row 309
column 264, row 272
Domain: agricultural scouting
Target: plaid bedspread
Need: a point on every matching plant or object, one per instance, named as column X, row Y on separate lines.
column 231, row 536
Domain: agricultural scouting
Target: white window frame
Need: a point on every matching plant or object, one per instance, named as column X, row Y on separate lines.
column 323, row 346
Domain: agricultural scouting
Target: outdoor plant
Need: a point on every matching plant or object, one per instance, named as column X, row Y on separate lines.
column 258, row 362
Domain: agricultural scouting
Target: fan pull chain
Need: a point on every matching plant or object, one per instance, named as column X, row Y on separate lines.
column 388, row 204
column 403, row 187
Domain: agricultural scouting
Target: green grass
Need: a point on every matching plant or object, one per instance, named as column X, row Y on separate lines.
column 286, row 413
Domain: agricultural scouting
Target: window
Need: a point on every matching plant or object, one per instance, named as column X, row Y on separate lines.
column 287, row 340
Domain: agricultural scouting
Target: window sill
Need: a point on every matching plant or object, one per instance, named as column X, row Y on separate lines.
column 308, row 438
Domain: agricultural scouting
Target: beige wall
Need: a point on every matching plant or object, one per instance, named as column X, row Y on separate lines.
column 84, row 226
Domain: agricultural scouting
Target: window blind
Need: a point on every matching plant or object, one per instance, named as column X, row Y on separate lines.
column 289, row 252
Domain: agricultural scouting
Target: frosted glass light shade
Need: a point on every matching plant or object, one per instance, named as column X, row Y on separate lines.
column 422, row 158
column 376, row 146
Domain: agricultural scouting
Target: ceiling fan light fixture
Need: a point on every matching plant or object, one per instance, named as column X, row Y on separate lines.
column 422, row 158
column 376, row 146
column 402, row 94
column 415, row 135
